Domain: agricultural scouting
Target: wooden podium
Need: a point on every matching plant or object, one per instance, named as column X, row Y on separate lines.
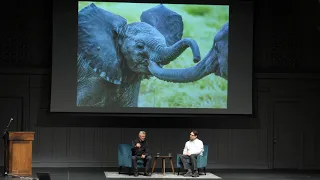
column 18, row 153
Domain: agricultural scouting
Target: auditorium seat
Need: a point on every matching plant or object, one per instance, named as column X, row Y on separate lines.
column 125, row 157
column 201, row 161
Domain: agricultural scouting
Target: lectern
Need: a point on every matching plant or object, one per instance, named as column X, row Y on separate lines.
column 18, row 153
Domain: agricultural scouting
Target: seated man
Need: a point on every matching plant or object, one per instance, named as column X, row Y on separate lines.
column 192, row 149
column 140, row 150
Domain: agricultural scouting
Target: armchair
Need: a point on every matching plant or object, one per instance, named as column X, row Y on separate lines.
column 125, row 157
column 202, row 161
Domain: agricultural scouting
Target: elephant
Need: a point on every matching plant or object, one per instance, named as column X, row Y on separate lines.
column 168, row 23
column 113, row 55
column 215, row 62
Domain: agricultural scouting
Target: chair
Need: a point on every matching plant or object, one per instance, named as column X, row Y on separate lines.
column 201, row 161
column 125, row 157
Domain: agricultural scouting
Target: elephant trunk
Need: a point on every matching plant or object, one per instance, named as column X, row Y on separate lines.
column 205, row 67
column 168, row 54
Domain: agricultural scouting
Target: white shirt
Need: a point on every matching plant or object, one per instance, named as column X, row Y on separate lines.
column 193, row 147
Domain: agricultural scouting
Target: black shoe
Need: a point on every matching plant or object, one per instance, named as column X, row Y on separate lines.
column 147, row 174
column 136, row 174
column 195, row 174
column 188, row 174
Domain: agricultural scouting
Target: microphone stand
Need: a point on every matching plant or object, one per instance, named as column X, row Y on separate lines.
column 6, row 149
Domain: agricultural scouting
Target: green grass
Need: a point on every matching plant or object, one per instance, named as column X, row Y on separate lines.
column 201, row 23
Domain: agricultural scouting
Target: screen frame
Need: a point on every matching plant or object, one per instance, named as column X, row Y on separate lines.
column 172, row 112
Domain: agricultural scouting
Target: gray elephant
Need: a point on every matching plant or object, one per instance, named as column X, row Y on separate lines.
column 216, row 62
column 167, row 22
column 113, row 56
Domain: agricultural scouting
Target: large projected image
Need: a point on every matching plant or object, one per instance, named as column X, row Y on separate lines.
column 152, row 55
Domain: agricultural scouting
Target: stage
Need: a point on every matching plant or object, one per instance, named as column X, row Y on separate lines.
column 112, row 174
column 157, row 175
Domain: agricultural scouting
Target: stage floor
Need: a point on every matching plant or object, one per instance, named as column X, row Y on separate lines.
column 99, row 174
column 169, row 176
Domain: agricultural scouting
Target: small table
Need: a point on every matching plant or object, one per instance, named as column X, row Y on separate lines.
column 163, row 163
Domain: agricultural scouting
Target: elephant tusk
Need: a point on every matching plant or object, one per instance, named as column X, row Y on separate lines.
column 103, row 75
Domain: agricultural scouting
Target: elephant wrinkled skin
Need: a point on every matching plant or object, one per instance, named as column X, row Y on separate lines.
column 113, row 56
column 216, row 62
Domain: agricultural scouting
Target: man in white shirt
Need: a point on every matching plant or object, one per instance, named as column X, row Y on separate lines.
column 192, row 149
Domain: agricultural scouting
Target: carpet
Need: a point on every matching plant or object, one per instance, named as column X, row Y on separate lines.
column 169, row 175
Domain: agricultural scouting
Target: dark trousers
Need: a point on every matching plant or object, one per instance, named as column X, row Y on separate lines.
column 192, row 165
column 146, row 163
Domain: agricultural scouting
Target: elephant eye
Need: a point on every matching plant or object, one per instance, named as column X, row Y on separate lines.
column 140, row 46
column 216, row 48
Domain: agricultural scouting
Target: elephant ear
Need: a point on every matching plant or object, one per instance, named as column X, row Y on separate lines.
column 168, row 22
column 98, row 30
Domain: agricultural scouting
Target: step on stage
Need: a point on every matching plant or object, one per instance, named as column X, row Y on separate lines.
column 116, row 175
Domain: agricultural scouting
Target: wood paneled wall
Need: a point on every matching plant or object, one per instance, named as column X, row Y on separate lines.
column 287, row 111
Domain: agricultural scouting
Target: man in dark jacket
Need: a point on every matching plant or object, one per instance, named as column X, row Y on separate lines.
column 141, row 151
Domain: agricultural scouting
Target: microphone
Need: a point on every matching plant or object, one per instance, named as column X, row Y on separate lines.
column 6, row 130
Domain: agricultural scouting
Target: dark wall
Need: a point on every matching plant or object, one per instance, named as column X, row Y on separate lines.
column 286, row 87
